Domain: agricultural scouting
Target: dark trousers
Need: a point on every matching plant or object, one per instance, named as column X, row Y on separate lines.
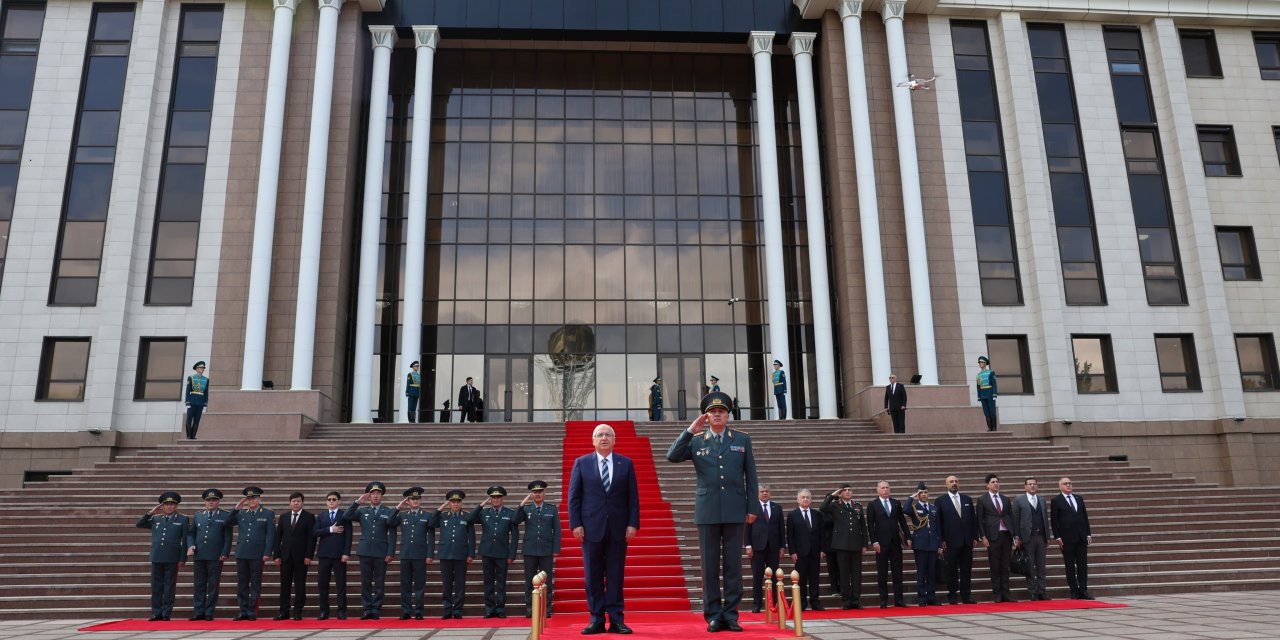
column 207, row 577
column 495, row 584
column 453, row 578
column 293, row 586
column 899, row 421
column 248, row 585
column 849, row 566
column 468, row 413
column 890, row 557
column 532, row 565
column 999, row 553
column 1075, row 555
column 655, row 412
column 989, row 411
column 761, row 559
column 335, row 570
column 721, row 546
column 193, row 420
column 413, row 584
column 782, row 405
column 604, row 563
column 373, row 582
column 164, row 587
column 926, row 574
column 413, row 409
column 808, row 567
column 959, row 567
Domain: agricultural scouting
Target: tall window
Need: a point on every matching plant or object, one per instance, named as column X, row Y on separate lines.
column 1011, row 361
column 20, row 27
column 93, row 152
column 1068, row 173
column 1239, row 254
column 984, row 152
column 64, row 365
column 1200, row 53
column 160, row 369
column 177, row 226
column 1218, row 149
column 1257, row 354
column 1275, row 133
column 1176, row 356
column 1095, row 365
column 1267, row 46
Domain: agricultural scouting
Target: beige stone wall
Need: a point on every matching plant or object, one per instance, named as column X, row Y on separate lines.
column 22, row 452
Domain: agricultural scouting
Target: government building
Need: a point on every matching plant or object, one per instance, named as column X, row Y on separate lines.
column 568, row 199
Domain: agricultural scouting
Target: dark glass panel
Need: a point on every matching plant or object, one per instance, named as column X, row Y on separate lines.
column 982, row 138
column 1076, row 244
column 23, row 22
column 1047, row 41
column 183, row 193
column 78, row 268
column 1000, row 292
column 1155, row 244
column 174, row 268
column 1061, row 140
column 83, row 291
column 969, row 39
column 1070, row 198
column 201, row 25
column 1165, row 291
column 994, row 243
column 1133, row 104
column 98, row 128
column 1150, row 207
column 977, row 95
column 82, row 240
column 1088, row 291
column 1200, row 53
column 114, row 24
column 8, row 189
column 170, row 291
column 17, row 73
column 1056, row 102
column 104, row 83
column 194, row 86
column 13, row 127
column 988, row 192
column 90, row 192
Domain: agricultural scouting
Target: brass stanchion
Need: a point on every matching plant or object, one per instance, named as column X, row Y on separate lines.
column 795, row 597
column 782, row 601
column 539, row 607
column 768, row 593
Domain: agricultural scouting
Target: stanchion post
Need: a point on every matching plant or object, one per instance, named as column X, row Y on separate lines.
column 768, row 594
column 782, row 600
column 795, row 597
column 539, row 606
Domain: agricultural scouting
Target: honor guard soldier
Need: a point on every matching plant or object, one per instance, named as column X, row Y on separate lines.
column 498, row 538
column 254, row 544
column 413, row 390
column 197, row 399
column 655, row 400
column 455, row 551
column 209, row 545
column 414, row 524
column 377, row 546
column 987, row 391
column 333, row 551
column 168, row 535
column 541, row 542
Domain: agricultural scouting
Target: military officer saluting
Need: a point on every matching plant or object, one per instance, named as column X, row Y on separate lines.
column 255, row 541
column 168, row 535
column 196, row 397
column 209, row 545
column 414, row 524
column 455, row 551
column 377, row 546
column 498, row 538
column 541, row 541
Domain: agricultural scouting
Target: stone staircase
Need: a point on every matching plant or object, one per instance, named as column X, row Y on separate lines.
column 69, row 548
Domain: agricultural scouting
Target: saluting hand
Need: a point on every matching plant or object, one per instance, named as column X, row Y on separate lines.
column 240, row 503
column 403, row 504
column 526, row 499
column 699, row 424
column 364, row 499
column 154, row 510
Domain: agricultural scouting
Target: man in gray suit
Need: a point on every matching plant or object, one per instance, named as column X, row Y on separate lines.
column 1031, row 532
column 725, row 503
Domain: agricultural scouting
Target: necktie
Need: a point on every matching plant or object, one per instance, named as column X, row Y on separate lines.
column 1072, row 500
column 604, row 473
column 955, row 499
column 999, row 504
column 295, row 521
column 719, row 440
column 333, row 517
column 764, row 506
column 887, row 510
column 807, row 520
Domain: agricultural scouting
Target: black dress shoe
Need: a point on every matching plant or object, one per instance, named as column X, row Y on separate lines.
column 1009, row 599
column 618, row 627
column 342, row 615
column 1087, row 596
column 374, row 616
column 251, row 618
column 755, row 609
column 194, row 618
column 817, row 606
column 366, row 616
column 164, row 618
column 297, row 616
column 281, row 616
column 899, row 603
column 240, row 617
column 501, row 615
column 153, row 619
column 593, row 628
column 970, row 601
column 404, row 616
column 446, row 616
column 323, row 616
column 713, row 626
column 490, row 614
column 732, row 625
column 457, row 616
column 417, row 616
column 884, row 605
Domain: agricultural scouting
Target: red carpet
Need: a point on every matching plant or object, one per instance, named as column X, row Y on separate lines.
column 655, row 576
column 946, row 610
column 664, row 626
column 227, row 624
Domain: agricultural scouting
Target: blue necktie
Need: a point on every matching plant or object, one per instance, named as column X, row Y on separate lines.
column 604, row 473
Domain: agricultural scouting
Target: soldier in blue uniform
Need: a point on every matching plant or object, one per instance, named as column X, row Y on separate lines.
column 209, row 545
column 333, row 551
column 377, row 546
column 725, row 504
column 715, row 385
column 414, row 524
column 255, row 541
column 541, row 542
column 498, row 538
column 986, row 382
column 455, row 551
column 197, row 398
column 926, row 539
column 779, row 379
column 168, row 551
column 655, row 400
column 413, row 389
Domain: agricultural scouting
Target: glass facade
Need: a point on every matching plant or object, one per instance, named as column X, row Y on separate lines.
column 593, row 222
column 20, row 27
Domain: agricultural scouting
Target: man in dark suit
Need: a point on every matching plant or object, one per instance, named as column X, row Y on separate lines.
column 333, row 551
column 804, row 545
column 1031, row 532
column 764, row 542
column 887, row 529
column 1070, row 523
column 959, row 528
column 468, row 397
column 848, row 539
column 295, row 548
column 895, row 400
column 726, row 468
column 604, row 514
column 995, row 523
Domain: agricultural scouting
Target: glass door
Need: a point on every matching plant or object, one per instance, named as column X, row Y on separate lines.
column 682, row 385
column 508, row 389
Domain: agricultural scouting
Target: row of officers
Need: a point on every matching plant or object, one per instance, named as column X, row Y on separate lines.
column 296, row 539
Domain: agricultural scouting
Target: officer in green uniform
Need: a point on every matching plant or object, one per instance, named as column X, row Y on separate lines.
column 987, row 391
column 413, row 389
column 255, row 541
column 779, row 379
column 498, row 538
column 377, row 546
column 541, row 541
column 197, row 398
column 455, row 551
column 725, row 503
column 415, row 551
column 655, row 400
column 209, row 545
column 168, row 551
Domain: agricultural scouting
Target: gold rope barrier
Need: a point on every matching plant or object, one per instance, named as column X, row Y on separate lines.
column 795, row 598
column 768, row 592
column 782, row 601
column 539, row 623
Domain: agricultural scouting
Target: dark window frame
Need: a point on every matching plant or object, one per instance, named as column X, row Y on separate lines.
column 1224, row 135
column 1267, row 39
column 16, row 47
column 1024, row 363
column 1248, row 249
column 1213, row 62
column 1190, row 362
column 1267, row 344
column 1275, row 132
column 46, row 365
column 1108, row 376
column 144, row 358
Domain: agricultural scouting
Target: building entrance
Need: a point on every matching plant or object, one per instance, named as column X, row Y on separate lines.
column 682, row 382
column 508, row 388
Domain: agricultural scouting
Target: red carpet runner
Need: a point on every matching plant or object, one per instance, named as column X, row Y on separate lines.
column 655, row 575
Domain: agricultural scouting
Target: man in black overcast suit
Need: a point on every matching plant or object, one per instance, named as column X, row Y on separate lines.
column 887, row 529
column 1070, row 523
column 995, row 522
column 295, row 547
column 960, row 535
column 804, row 544
column 334, row 550
column 895, row 400
column 764, row 542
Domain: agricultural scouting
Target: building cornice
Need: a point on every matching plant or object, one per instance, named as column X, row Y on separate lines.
column 1204, row 11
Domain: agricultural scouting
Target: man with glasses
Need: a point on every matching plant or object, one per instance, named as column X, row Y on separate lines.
column 604, row 514
column 414, row 524
column 541, row 542
column 1071, row 532
column 333, row 552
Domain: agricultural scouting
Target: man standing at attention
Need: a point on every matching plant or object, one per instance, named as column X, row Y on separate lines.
column 1031, row 531
column 895, row 401
column 959, row 528
column 987, row 391
column 377, row 546
column 468, row 396
column 295, row 548
column 779, row 379
column 541, row 542
column 197, row 398
column 995, row 522
column 1072, row 534
column 334, row 551
column 415, row 551
column 764, row 542
column 726, row 469
column 604, row 514
column 848, row 539
column 413, row 390
column 456, row 550
column 168, row 551
column 887, row 529
column 499, row 535
column 208, row 544
column 655, row 400
column 255, row 541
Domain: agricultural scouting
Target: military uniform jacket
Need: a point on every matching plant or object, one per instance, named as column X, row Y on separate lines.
column 848, row 524
column 413, row 384
column 257, row 535
column 498, row 532
column 457, row 536
column 779, row 381
column 210, row 534
column 416, row 541
column 986, row 382
column 727, row 483
column 926, row 530
column 197, row 393
column 541, row 529
column 377, row 532
column 655, row 396
column 168, row 537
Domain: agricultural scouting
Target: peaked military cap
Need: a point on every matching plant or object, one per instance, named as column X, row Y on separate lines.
column 778, row 362
column 538, row 485
column 983, row 359
column 375, row 486
column 211, row 494
column 921, row 486
column 197, row 365
column 455, row 494
column 658, row 379
column 414, row 492
column 496, row 491
column 715, row 379
column 413, row 364
column 716, row 400
column 170, row 496
column 252, row 492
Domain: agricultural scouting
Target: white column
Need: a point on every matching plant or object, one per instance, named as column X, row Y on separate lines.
column 767, row 150
column 868, row 206
column 264, row 220
column 912, row 209
column 304, row 328
column 823, row 343
column 384, row 38
column 415, row 251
